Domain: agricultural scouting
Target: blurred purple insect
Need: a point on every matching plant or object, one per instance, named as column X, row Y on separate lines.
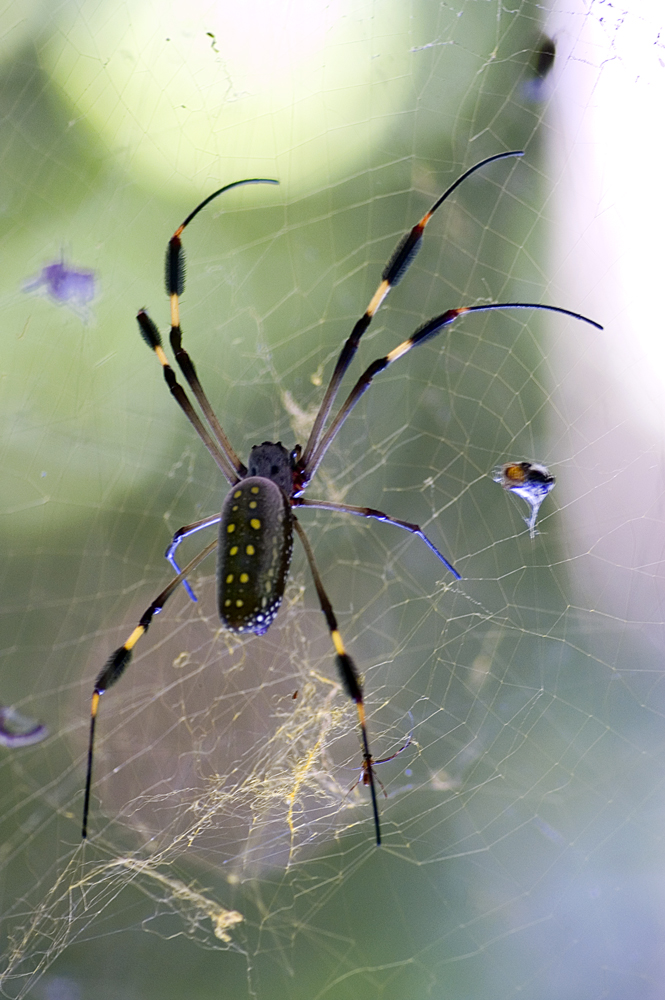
column 74, row 289
column 17, row 730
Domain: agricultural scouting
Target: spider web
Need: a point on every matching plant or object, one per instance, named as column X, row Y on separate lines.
column 522, row 826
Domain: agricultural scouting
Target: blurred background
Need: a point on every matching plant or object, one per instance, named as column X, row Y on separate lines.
column 231, row 851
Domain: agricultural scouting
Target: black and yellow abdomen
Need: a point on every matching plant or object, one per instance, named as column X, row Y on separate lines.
column 254, row 555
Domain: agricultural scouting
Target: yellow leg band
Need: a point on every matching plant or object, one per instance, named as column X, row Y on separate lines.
column 401, row 349
column 134, row 637
column 377, row 298
column 339, row 645
column 175, row 311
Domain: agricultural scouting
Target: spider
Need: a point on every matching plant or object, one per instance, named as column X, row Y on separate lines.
column 367, row 768
column 257, row 520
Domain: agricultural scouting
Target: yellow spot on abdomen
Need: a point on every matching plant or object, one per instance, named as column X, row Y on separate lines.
column 255, row 523
column 244, row 577
column 250, row 550
column 229, row 578
column 230, row 528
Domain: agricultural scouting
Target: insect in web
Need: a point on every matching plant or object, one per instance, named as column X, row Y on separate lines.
column 528, row 480
column 256, row 524
column 367, row 775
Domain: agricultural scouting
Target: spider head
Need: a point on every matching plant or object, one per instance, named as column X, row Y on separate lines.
column 271, row 460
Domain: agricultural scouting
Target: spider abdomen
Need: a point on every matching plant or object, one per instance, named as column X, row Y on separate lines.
column 254, row 555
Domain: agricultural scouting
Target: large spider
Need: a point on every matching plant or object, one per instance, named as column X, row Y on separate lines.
column 257, row 520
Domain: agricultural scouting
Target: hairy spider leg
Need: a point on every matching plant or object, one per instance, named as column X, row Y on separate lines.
column 180, row 535
column 152, row 337
column 399, row 263
column 426, row 332
column 175, row 286
column 378, row 515
column 346, row 668
column 118, row 662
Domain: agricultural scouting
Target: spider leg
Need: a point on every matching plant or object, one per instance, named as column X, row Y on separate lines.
column 394, row 271
column 175, row 286
column 426, row 332
column 187, row 368
column 346, row 668
column 152, row 337
column 118, row 662
column 384, row 760
column 182, row 533
column 378, row 515
column 363, row 778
